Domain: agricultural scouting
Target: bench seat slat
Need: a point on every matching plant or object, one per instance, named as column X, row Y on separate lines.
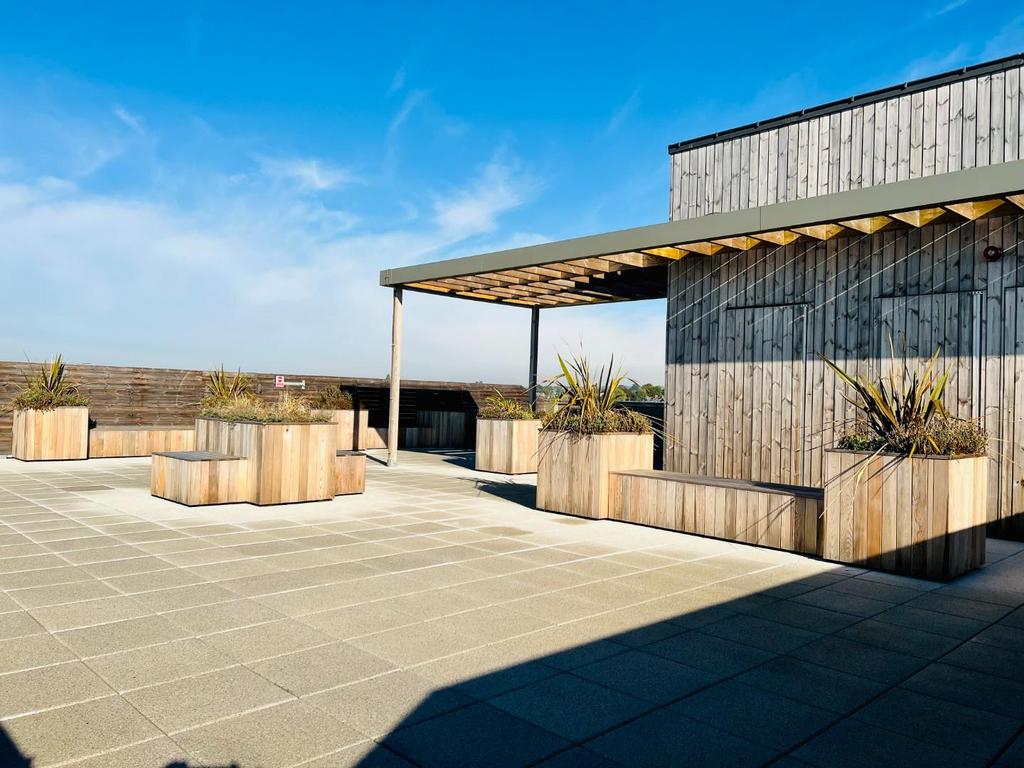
column 780, row 516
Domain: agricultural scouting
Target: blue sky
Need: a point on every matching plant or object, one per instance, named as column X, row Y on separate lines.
column 207, row 183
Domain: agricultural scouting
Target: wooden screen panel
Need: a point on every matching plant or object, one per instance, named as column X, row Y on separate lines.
column 1008, row 445
column 762, row 375
column 918, row 325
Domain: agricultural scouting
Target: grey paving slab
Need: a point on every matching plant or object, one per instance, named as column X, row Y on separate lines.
column 813, row 684
column 755, row 714
column 79, row 731
column 571, row 706
column 436, row 621
column 646, row 676
column 476, row 735
column 323, row 666
column 154, row 664
column 665, row 738
column 377, row 706
column 945, row 723
column 282, row 735
column 48, row 687
column 853, row 744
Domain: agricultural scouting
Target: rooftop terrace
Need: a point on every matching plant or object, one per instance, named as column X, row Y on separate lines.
column 439, row 620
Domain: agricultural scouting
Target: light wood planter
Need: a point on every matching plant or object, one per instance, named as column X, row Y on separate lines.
column 572, row 470
column 198, row 478
column 923, row 516
column 111, row 442
column 349, row 472
column 779, row 516
column 346, row 428
column 287, row 462
column 507, row 446
column 53, row 435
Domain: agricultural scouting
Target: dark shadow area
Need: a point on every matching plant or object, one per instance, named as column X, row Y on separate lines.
column 464, row 459
column 10, row 755
column 524, row 494
column 826, row 669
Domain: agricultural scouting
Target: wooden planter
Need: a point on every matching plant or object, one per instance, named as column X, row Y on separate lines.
column 923, row 516
column 53, row 435
column 346, row 428
column 349, row 473
column 287, row 462
column 112, row 442
column 196, row 479
column 572, row 470
column 507, row 446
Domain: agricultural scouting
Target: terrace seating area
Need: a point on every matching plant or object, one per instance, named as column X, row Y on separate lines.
column 440, row 620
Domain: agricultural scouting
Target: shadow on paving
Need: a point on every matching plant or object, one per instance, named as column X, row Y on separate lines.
column 827, row 670
column 10, row 755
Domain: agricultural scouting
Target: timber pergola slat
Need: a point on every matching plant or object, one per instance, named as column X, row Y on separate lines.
column 632, row 264
column 563, row 273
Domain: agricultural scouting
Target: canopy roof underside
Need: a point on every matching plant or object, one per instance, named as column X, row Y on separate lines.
column 631, row 264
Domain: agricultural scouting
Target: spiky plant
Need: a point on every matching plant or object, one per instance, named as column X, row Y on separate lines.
column 586, row 401
column 903, row 412
column 50, row 388
column 502, row 408
column 221, row 385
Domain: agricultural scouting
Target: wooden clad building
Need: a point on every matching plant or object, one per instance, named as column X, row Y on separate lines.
column 895, row 214
column 747, row 394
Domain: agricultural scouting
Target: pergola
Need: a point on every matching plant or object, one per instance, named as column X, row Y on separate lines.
column 632, row 264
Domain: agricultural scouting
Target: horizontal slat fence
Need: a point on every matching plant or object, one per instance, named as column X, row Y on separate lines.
column 124, row 396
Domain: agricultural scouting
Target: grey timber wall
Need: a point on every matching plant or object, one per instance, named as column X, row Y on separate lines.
column 747, row 395
column 969, row 122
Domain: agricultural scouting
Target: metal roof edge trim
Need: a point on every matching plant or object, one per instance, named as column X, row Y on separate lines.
column 967, row 184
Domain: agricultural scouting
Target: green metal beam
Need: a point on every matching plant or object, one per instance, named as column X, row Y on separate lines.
column 959, row 186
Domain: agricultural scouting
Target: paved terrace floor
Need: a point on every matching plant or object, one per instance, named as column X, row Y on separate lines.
column 439, row 621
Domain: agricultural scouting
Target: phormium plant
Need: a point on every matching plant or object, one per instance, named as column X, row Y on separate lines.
column 50, row 388
column 586, row 403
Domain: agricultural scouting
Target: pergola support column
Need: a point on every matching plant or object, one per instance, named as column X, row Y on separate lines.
column 396, row 377
column 534, row 337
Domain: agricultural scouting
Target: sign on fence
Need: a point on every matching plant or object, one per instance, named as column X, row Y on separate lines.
column 280, row 383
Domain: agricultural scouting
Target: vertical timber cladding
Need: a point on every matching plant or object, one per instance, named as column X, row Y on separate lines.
column 971, row 121
column 747, row 394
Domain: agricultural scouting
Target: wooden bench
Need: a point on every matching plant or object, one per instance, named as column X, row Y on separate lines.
column 114, row 442
column 196, row 478
column 785, row 517
column 349, row 472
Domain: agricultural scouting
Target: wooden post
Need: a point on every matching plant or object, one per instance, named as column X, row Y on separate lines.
column 396, row 377
column 531, row 382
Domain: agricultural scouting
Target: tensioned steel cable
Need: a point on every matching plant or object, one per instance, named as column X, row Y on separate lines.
column 1003, row 277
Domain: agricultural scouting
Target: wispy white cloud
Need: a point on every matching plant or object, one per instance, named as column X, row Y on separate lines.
column 475, row 209
column 306, row 173
column 227, row 249
column 130, row 119
column 949, row 7
column 282, row 279
column 398, row 81
column 625, row 111
column 409, row 104
column 938, row 62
